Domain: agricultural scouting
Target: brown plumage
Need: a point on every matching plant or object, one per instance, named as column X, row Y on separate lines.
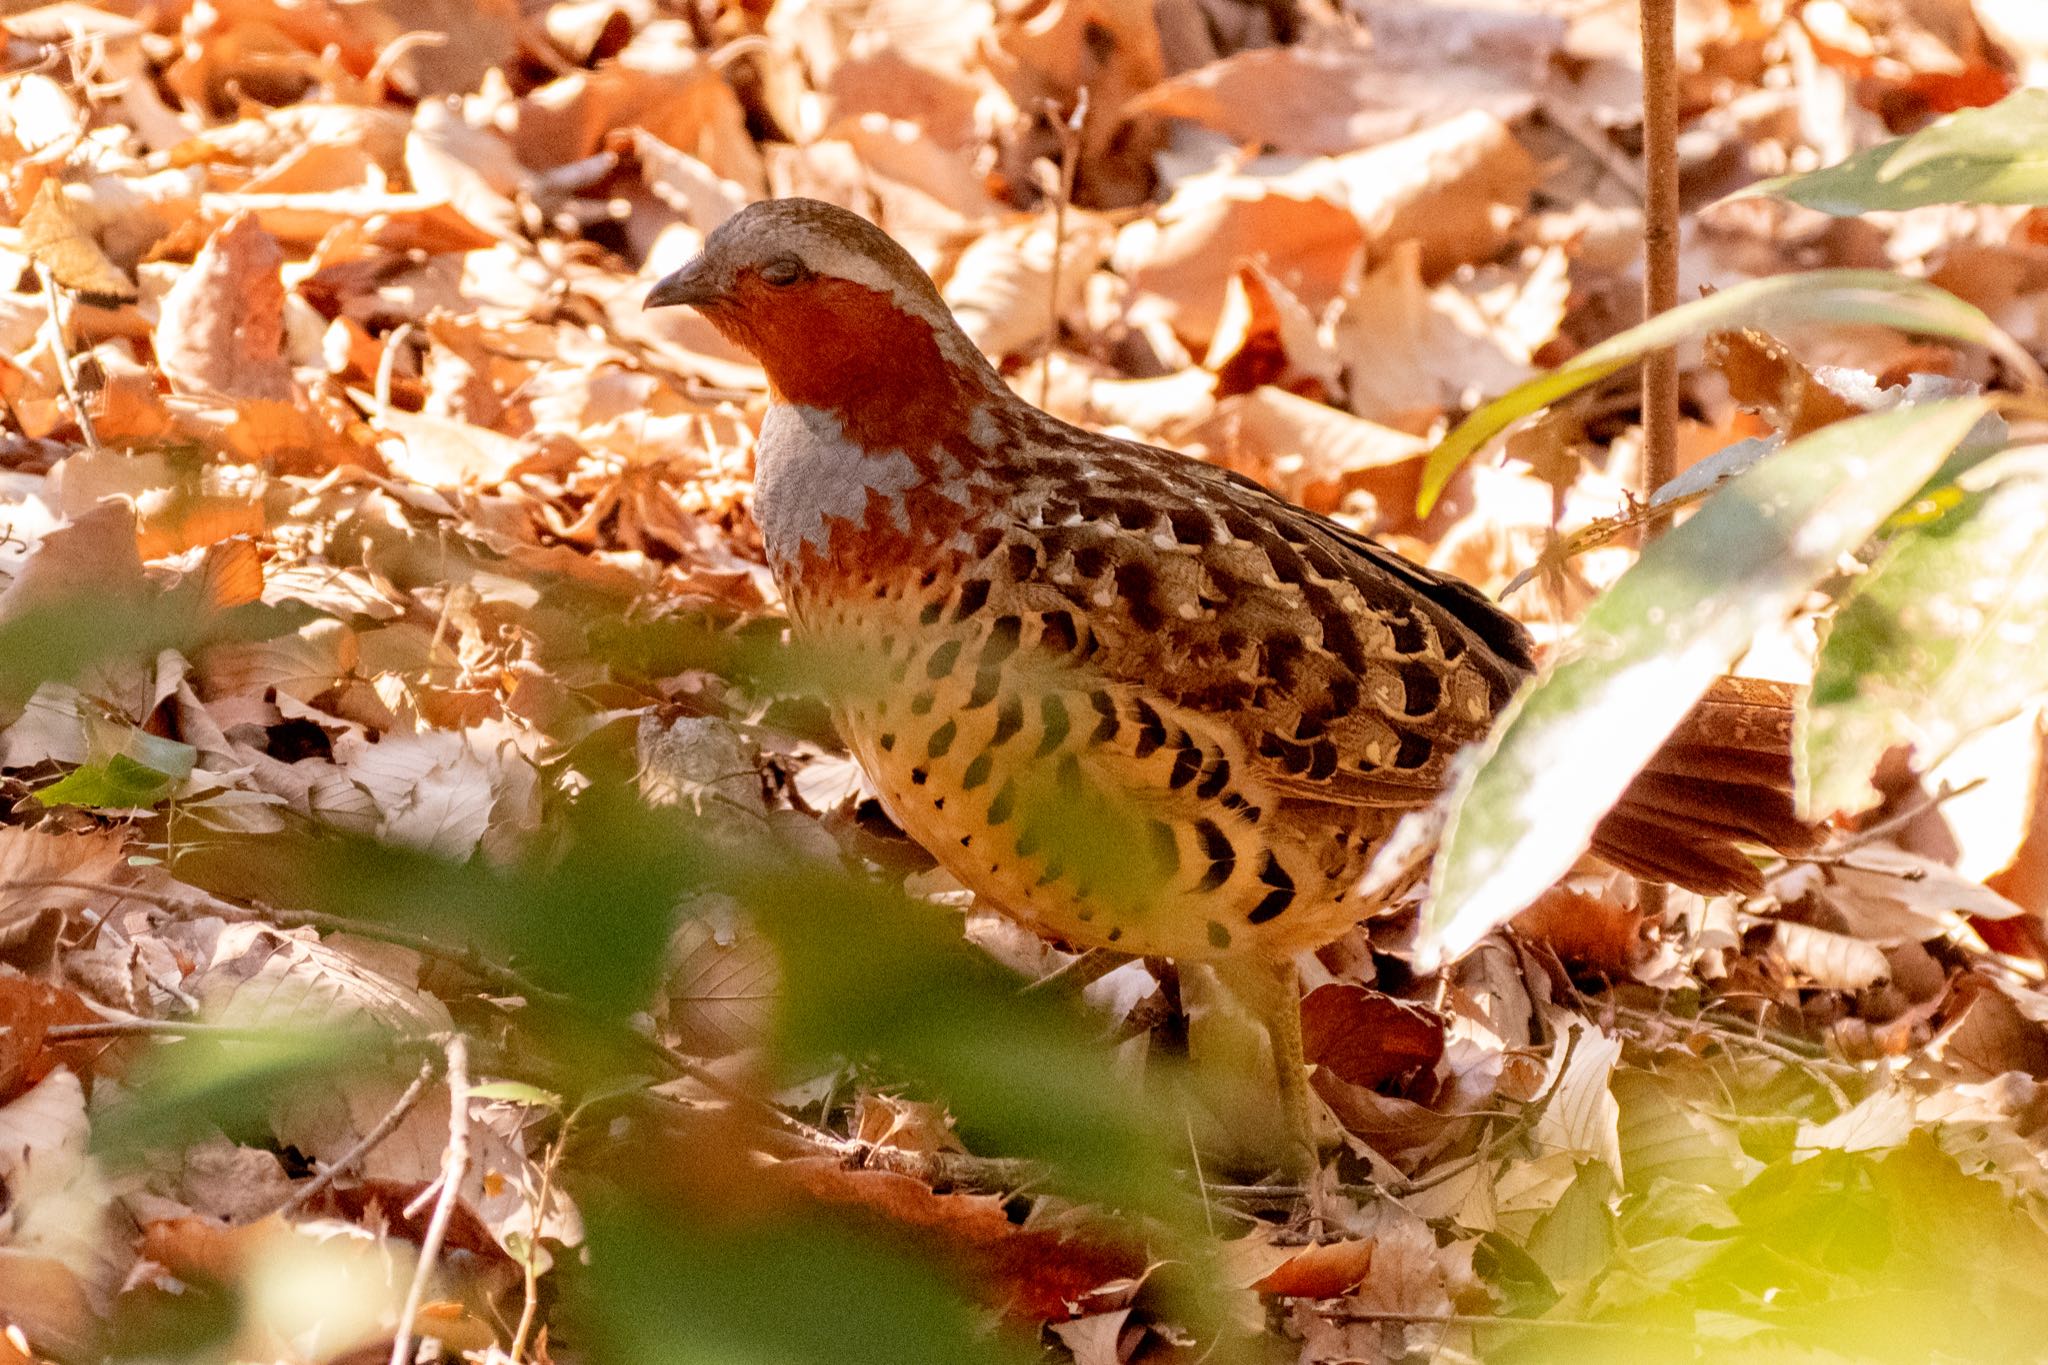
column 1131, row 699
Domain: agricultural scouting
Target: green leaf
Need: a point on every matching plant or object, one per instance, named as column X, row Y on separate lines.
column 866, row 971
column 1997, row 155
column 119, row 783
column 1947, row 635
column 1574, row 1241
column 1860, row 297
column 691, row 1290
column 182, row 1091
column 519, row 1092
column 1565, row 748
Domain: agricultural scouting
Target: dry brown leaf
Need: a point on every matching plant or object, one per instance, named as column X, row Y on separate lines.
column 1454, row 190
column 443, row 452
column 1001, row 287
column 222, row 327
column 1266, row 336
column 472, row 169
column 1836, row 962
column 1412, row 352
column 1325, row 102
column 1180, row 260
column 2021, row 28
column 719, row 997
column 907, row 1125
column 1322, row 1271
column 61, row 1261
column 1310, row 453
column 57, row 235
column 1367, row 1038
column 1040, row 1273
column 1765, row 376
column 95, row 552
column 1987, row 1035
column 1587, row 931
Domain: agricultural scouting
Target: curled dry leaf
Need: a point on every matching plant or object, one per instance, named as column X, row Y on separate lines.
column 1586, row 930
column 1367, row 1038
column 58, row 237
column 1835, row 961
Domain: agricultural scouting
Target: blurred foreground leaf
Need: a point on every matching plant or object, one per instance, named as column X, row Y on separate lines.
column 184, row 1090
column 673, row 1291
column 865, row 971
column 59, row 642
column 1563, row 751
column 1848, row 297
column 1948, row 634
column 1996, row 155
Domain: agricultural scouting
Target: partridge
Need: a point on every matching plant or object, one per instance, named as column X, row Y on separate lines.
column 1132, row 700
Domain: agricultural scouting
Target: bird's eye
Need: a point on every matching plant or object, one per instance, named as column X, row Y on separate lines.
column 783, row 271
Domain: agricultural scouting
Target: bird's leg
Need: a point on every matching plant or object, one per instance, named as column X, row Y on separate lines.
column 1271, row 991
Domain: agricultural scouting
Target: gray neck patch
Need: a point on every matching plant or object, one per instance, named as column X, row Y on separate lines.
column 807, row 473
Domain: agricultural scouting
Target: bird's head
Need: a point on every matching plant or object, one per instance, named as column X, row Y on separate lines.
column 839, row 316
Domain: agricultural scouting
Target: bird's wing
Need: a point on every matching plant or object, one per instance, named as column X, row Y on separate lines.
column 1349, row 674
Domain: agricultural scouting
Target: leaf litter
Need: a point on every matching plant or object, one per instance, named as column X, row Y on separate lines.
column 345, row 487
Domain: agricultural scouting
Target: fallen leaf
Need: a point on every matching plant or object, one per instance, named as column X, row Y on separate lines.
column 222, row 328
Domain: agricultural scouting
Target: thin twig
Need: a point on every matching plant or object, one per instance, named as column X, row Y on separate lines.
column 1070, row 157
column 454, row 1166
column 1660, row 286
column 1489, row 1320
column 530, row 1268
column 1780, row 1047
column 66, row 375
column 1905, row 815
column 172, row 1028
column 1897, row 820
column 1660, row 244
column 369, row 1142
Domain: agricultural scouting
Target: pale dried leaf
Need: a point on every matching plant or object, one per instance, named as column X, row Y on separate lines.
column 1836, row 962
column 222, row 328
column 1581, row 1118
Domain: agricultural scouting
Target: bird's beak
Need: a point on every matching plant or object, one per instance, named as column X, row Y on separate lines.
column 693, row 284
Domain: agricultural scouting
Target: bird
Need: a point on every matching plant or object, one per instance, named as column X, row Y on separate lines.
column 1132, row 700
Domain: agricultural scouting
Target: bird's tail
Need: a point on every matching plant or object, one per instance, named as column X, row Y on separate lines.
column 1723, row 781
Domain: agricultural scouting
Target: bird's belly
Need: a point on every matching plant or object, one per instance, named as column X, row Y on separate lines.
column 1082, row 809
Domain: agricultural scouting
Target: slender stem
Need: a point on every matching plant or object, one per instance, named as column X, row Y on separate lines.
column 1660, row 282
column 1069, row 130
column 454, row 1165
column 173, row 1028
column 530, row 1268
column 1489, row 1320
column 67, row 375
column 1660, row 243
column 369, row 1142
